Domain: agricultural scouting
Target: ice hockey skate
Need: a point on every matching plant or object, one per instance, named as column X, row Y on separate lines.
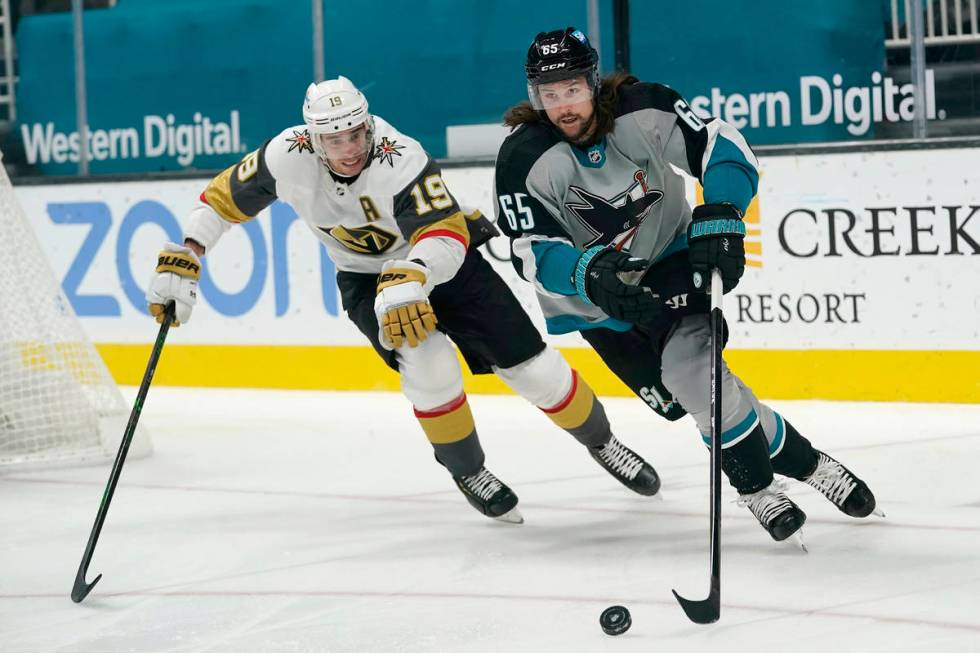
column 490, row 496
column 776, row 512
column 849, row 493
column 627, row 467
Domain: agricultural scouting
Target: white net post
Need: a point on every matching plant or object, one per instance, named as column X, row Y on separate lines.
column 58, row 403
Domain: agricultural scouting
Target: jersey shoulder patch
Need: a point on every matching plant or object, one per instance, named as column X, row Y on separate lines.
column 296, row 141
column 290, row 157
column 387, row 150
column 397, row 158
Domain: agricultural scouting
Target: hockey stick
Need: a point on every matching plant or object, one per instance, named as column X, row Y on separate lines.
column 708, row 610
column 81, row 588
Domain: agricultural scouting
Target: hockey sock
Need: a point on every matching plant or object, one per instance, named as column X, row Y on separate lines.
column 797, row 458
column 581, row 414
column 451, row 431
column 746, row 463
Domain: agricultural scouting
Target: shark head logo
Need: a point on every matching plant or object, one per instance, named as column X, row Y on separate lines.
column 614, row 220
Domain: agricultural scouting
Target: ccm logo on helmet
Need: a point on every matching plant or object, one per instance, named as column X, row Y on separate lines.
column 553, row 66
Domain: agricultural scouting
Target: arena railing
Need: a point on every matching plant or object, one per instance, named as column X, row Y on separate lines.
column 947, row 21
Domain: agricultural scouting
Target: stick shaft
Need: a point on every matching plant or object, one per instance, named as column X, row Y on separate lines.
column 717, row 322
column 80, row 589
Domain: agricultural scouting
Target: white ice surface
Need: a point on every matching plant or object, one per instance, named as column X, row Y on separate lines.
column 303, row 521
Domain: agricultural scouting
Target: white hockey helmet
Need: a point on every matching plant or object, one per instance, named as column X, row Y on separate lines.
column 330, row 109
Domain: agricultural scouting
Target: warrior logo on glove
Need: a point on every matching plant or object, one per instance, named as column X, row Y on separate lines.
column 715, row 240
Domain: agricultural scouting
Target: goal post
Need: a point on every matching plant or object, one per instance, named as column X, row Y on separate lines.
column 58, row 403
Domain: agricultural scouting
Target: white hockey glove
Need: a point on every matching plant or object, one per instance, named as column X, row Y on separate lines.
column 177, row 273
column 402, row 304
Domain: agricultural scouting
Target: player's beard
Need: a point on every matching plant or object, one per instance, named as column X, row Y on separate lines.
column 583, row 133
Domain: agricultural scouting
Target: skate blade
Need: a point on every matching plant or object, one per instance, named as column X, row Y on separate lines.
column 797, row 538
column 512, row 516
column 659, row 496
column 878, row 512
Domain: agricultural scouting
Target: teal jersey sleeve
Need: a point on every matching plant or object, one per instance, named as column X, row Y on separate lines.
column 729, row 175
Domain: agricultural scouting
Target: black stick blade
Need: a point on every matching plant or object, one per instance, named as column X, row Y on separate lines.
column 701, row 612
column 81, row 589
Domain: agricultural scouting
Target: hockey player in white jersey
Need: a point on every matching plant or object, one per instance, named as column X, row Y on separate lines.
column 410, row 278
column 589, row 193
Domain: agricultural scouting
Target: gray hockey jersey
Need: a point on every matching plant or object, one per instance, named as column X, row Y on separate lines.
column 555, row 200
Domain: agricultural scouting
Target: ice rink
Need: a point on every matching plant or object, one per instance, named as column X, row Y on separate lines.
column 305, row 521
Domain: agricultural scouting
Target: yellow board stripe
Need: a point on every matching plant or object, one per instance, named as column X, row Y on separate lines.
column 860, row 375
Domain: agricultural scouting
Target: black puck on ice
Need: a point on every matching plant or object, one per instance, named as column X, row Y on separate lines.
column 615, row 620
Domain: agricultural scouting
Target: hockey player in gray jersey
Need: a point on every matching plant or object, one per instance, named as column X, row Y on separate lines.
column 589, row 194
column 410, row 277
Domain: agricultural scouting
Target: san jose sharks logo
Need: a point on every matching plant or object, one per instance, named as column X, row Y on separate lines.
column 615, row 220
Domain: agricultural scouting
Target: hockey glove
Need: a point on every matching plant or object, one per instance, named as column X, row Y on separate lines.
column 402, row 304
column 175, row 279
column 715, row 240
column 601, row 278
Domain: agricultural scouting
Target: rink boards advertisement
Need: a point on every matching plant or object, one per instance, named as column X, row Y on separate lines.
column 861, row 283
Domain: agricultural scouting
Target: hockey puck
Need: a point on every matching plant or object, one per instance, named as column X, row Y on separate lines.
column 615, row 620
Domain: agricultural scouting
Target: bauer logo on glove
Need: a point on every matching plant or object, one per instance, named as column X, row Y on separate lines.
column 402, row 304
column 396, row 277
column 175, row 279
column 168, row 262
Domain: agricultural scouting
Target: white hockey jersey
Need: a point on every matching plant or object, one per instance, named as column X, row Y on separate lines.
column 396, row 200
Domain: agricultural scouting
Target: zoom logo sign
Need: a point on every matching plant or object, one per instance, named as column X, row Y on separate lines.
column 266, row 252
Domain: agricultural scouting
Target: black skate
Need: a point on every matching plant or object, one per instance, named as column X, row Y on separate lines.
column 490, row 496
column 850, row 494
column 775, row 511
column 627, row 467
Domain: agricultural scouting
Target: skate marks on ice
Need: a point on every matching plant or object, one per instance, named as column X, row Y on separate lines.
column 289, row 521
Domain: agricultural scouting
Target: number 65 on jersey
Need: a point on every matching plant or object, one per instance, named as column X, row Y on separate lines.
column 519, row 216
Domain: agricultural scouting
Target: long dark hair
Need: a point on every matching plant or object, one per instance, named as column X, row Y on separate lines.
column 605, row 106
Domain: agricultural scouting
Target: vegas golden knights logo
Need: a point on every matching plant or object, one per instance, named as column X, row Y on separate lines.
column 369, row 239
